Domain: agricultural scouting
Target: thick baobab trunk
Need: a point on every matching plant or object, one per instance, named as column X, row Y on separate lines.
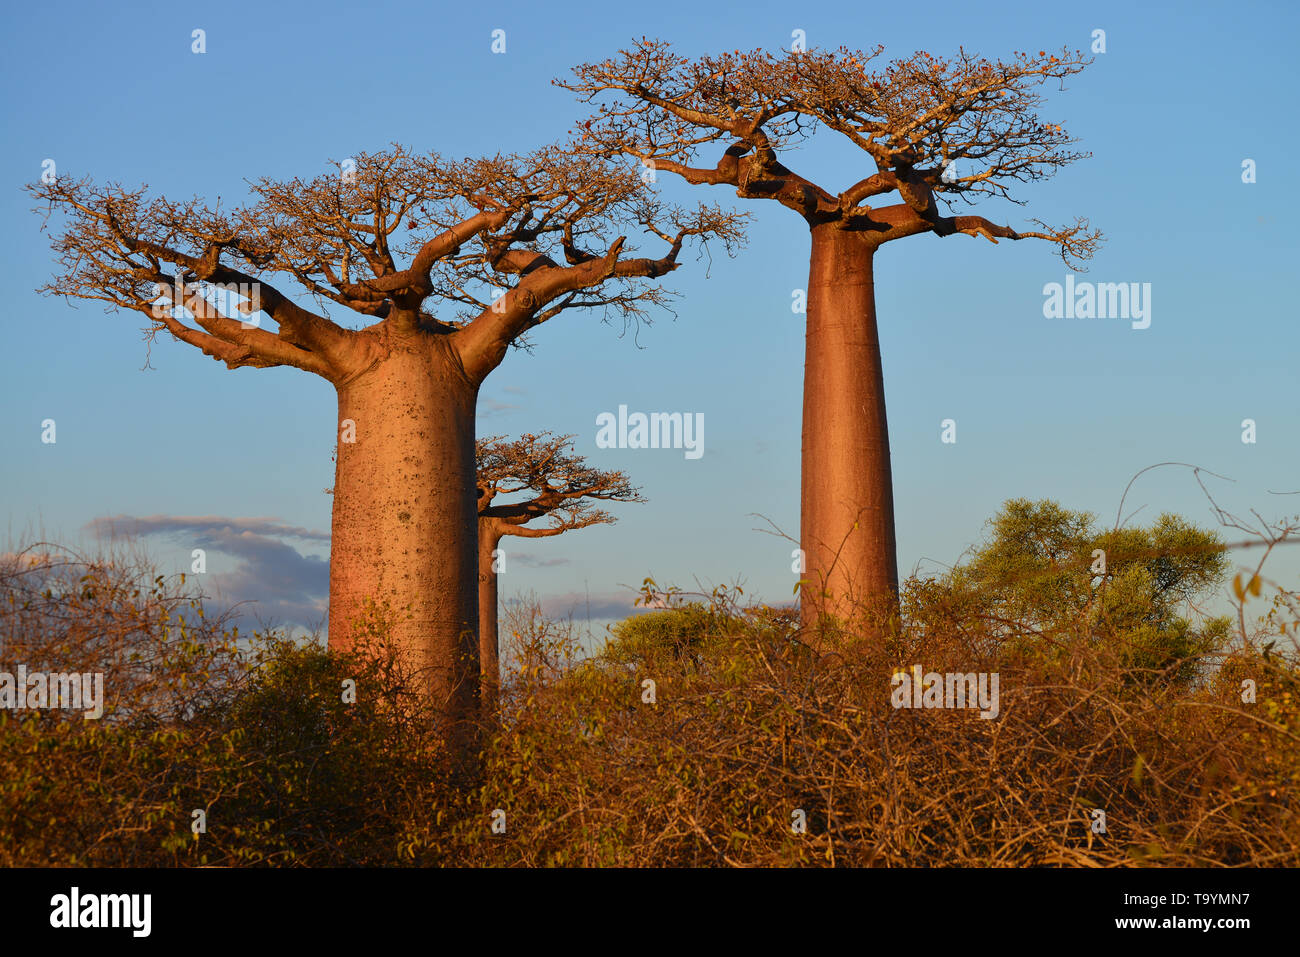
column 405, row 524
column 847, row 510
column 489, row 537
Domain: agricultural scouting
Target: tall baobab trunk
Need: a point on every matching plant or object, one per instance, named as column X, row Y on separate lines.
column 847, row 509
column 489, row 537
column 405, row 524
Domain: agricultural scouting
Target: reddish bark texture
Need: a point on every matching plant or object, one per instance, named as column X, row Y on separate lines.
column 847, row 514
column 402, row 521
column 489, row 537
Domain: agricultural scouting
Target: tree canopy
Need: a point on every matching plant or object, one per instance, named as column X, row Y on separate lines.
column 1044, row 571
column 556, row 484
column 936, row 130
column 479, row 249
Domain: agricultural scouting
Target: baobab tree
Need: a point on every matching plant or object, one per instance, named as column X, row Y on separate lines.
column 935, row 131
column 558, row 490
column 443, row 264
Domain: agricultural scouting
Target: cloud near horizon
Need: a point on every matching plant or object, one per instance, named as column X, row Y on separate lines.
column 532, row 561
column 597, row 606
column 273, row 582
column 489, row 407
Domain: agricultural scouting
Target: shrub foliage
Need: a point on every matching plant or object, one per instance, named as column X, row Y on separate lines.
column 754, row 748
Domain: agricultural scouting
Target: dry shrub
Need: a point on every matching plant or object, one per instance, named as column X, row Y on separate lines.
column 756, row 726
column 749, row 724
column 251, row 730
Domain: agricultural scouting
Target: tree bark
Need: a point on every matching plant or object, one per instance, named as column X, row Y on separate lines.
column 847, row 506
column 489, row 537
column 405, row 524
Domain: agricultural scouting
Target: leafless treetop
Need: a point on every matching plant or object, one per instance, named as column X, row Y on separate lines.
column 406, row 242
column 557, row 485
column 936, row 129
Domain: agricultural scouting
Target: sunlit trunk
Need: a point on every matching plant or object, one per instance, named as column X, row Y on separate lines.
column 405, row 523
column 488, row 539
column 847, row 508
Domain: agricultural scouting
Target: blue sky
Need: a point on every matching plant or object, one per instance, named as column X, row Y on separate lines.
column 1068, row 410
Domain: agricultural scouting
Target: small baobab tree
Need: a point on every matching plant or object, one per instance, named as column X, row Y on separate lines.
column 442, row 265
column 535, row 486
column 934, row 131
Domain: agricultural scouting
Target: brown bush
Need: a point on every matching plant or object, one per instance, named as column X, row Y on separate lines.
column 714, row 770
column 748, row 726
